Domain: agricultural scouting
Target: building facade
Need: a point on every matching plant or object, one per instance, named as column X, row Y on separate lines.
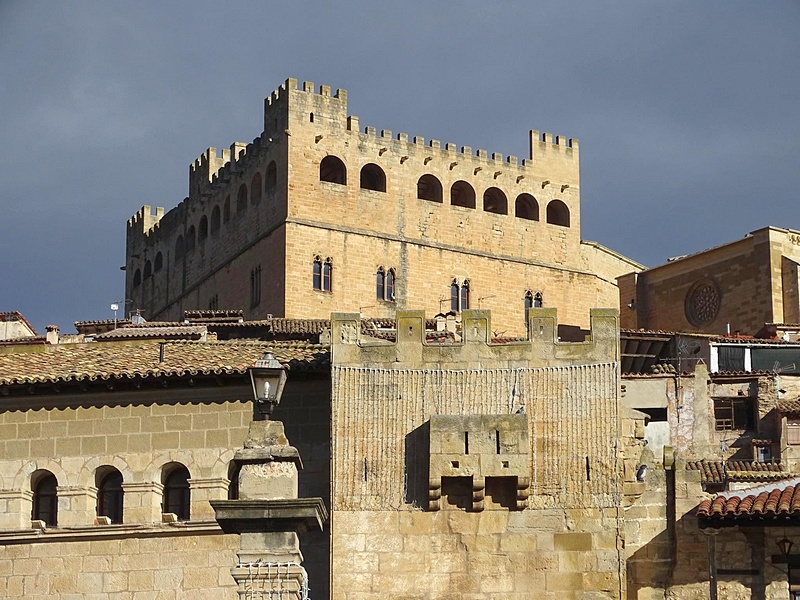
column 318, row 215
column 736, row 287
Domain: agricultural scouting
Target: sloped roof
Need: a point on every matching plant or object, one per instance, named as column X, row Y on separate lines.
column 143, row 332
column 789, row 407
column 145, row 358
column 741, row 470
column 764, row 501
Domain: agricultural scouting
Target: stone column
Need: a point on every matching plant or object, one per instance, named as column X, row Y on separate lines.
column 142, row 502
column 77, row 506
column 15, row 509
column 268, row 516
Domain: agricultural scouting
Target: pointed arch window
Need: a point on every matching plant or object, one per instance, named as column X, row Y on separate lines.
column 454, row 296
column 159, row 263
column 180, row 247
column 109, row 494
column 317, row 277
column 465, row 295
column 390, row 281
column 137, row 278
column 272, row 175
column 148, row 270
column 380, row 284
column 190, row 238
column 45, row 498
column 327, row 275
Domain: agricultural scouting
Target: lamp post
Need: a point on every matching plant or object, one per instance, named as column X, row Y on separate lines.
column 268, row 378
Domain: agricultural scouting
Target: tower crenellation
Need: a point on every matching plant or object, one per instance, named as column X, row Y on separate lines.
column 256, row 201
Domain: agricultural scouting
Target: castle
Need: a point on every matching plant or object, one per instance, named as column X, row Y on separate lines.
column 317, row 215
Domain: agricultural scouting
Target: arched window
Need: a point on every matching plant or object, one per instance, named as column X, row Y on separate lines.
column 390, row 280
column 255, row 189
column 190, row 238
column 327, row 275
column 45, row 499
column 241, row 199
column 109, row 494
column 537, row 300
column 465, row 295
column 373, row 178
column 317, row 273
column 332, row 170
column 528, row 301
column 215, row 220
column 558, row 213
column 380, row 284
column 454, row 296
column 429, row 188
column 226, row 210
column 203, row 229
column 177, row 497
column 526, row 207
column 180, row 247
column 233, row 478
column 272, row 175
column 148, row 270
column 462, row 194
column 494, row 201
column 159, row 262
column 137, row 278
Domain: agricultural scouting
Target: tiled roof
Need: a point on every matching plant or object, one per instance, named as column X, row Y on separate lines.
column 162, row 332
column 769, row 500
column 789, row 407
column 740, row 470
column 105, row 361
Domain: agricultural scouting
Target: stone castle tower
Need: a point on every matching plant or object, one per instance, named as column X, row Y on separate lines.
column 319, row 215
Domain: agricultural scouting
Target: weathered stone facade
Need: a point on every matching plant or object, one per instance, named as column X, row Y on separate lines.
column 461, row 528
column 740, row 285
column 314, row 187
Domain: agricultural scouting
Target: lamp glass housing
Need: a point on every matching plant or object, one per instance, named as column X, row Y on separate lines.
column 268, row 378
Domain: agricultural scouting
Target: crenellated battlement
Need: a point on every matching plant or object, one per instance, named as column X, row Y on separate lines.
column 145, row 220
column 542, row 347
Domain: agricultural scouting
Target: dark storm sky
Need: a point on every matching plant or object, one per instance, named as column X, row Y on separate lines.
column 686, row 112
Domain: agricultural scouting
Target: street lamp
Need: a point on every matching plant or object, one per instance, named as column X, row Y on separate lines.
column 268, row 378
column 785, row 545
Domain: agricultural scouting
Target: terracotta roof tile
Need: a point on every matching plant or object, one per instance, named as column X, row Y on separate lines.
column 144, row 332
column 769, row 500
column 789, row 407
column 93, row 361
column 740, row 470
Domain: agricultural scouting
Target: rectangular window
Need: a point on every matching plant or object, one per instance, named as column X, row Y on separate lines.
column 763, row 454
column 793, row 432
column 255, row 286
column 734, row 414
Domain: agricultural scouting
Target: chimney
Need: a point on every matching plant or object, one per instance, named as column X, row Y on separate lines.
column 52, row 334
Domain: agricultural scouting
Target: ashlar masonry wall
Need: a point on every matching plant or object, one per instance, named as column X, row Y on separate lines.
column 139, row 434
column 519, row 234
column 396, row 537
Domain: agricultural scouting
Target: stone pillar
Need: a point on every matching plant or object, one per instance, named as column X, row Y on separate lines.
column 15, row 509
column 142, row 502
column 268, row 516
column 77, row 506
column 202, row 492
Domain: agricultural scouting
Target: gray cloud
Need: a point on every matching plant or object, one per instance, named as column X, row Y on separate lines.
column 686, row 113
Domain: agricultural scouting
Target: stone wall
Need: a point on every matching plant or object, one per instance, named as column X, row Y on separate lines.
column 753, row 281
column 390, row 541
column 428, row 243
column 153, row 563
